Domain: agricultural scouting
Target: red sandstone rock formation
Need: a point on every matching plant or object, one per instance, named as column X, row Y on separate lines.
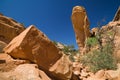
column 81, row 25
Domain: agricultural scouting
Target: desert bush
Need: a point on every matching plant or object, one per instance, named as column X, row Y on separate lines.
column 92, row 41
column 68, row 49
column 71, row 51
column 97, row 59
column 102, row 57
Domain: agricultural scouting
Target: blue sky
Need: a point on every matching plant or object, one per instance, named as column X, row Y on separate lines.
column 53, row 17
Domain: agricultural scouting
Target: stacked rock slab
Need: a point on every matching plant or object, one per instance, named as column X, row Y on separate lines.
column 35, row 46
column 81, row 25
column 9, row 28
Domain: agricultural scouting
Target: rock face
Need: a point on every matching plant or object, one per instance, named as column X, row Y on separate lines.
column 34, row 46
column 9, row 28
column 116, row 27
column 112, row 30
column 81, row 25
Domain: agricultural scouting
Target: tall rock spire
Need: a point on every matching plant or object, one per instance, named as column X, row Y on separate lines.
column 81, row 25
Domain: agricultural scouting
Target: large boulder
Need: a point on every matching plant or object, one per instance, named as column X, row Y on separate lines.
column 9, row 28
column 35, row 46
column 81, row 25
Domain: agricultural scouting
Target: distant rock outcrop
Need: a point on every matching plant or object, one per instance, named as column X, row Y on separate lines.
column 9, row 28
column 81, row 25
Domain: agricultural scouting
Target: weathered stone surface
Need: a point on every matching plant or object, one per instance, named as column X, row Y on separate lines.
column 114, row 74
column 25, row 72
column 116, row 28
column 33, row 45
column 4, row 58
column 76, row 68
column 29, row 72
column 3, row 77
column 81, row 25
column 2, row 45
column 9, row 29
column 115, row 23
column 60, row 46
column 100, row 74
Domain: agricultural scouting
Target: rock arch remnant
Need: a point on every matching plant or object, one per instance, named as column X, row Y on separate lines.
column 81, row 26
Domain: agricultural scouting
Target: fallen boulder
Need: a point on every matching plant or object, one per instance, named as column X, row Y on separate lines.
column 33, row 45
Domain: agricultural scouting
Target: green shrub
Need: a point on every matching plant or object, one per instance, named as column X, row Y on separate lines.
column 68, row 49
column 71, row 51
column 97, row 60
column 92, row 41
